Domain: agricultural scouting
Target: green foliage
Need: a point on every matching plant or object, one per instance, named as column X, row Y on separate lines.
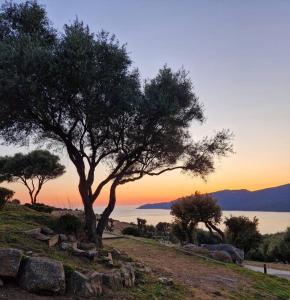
column 131, row 231
column 69, row 223
column 204, row 237
column 243, row 233
column 189, row 211
column 5, row 195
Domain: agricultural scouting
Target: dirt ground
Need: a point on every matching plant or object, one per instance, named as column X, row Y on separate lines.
column 207, row 280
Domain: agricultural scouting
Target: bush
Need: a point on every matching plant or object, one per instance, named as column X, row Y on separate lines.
column 40, row 207
column 204, row 237
column 69, row 223
column 131, row 231
column 5, row 195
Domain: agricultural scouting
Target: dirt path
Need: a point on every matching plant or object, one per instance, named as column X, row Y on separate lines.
column 207, row 280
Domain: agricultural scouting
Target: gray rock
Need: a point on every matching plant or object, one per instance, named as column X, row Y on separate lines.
column 236, row 254
column 165, row 281
column 33, row 231
column 53, row 240
column 113, row 280
column 71, row 238
column 92, row 254
column 63, row 238
column 9, row 262
column 82, row 286
column 78, row 252
column 87, row 246
column 196, row 249
column 46, row 230
column 128, row 275
column 116, row 254
column 42, row 275
column 221, row 256
column 67, row 246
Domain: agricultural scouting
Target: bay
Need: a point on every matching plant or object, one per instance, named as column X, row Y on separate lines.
column 269, row 222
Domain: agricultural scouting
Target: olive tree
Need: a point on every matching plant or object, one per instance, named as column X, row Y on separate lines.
column 191, row 210
column 33, row 170
column 78, row 90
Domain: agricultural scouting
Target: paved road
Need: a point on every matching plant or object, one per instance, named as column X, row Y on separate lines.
column 279, row 273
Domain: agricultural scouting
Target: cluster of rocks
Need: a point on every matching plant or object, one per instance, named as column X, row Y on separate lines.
column 42, row 275
column 223, row 252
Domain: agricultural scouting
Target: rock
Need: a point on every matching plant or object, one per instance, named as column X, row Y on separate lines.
column 92, row 254
column 40, row 237
column 196, row 249
column 84, row 286
column 116, row 254
column 87, row 246
column 63, row 238
column 33, row 231
column 1, row 282
column 71, row 238
column 78, row 252
column 42, row 275
column 46, row 230
column 53, row 240
column 9, row 262
column 190, row 247
column 68, row 246
column 128, row 275
column 236, row 254
column 165, row 281
column 221, row 256
column 112, row 280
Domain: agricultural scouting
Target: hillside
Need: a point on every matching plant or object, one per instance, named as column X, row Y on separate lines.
column 270, row 199
column 193, row 277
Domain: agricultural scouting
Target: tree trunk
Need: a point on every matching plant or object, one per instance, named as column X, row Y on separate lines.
column 107, row 212
column 221, row 234
column 90, row 222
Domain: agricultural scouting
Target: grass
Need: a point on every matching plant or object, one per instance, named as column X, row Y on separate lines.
column 194, row 277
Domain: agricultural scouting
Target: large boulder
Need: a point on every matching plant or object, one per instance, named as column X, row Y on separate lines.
column 82, row 286
column 196, row 249
column 9, row 262
column 113, row 280
column 221, row 256
column 236, row 254
column 42, row 275
column 128, row 275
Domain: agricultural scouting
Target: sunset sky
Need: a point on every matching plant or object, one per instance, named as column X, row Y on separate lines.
column 238, row 56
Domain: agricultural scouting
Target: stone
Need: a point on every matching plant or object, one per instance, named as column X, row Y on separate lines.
column 10, row 260
column 53, row 240
column 67, row 246
column 46, row 230
column 116, row 254
column 71, row 238
column 1, row 282
column 78, row 252
column 236, row 254
column 196, row 249
column 87, row 246
column 221, row 256
column 63, row 237
column 165, row 281
column 83, row 286
column 33, row 231
column 128, row 275
column 92, row 254
column 42, row 275
column 113, row 280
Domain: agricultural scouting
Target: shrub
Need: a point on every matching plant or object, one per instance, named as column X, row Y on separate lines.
column 40, row 207
column 69, row 223
column 5, row 195
column 204, row 237
column 243, row 232
column 131, row 231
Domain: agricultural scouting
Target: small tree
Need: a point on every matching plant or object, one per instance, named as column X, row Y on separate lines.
column 32, row 170
column 5, row 195
column 243, row 232
column 189, row 211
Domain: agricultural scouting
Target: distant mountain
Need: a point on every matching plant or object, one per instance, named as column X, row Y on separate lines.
column 271, row 199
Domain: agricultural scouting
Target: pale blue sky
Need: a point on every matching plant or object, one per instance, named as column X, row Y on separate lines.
column 238, row 56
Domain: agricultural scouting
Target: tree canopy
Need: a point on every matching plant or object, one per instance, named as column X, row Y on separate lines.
column 191, row 210
column 5, row 195
column 33, row 170
column 78, row 90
